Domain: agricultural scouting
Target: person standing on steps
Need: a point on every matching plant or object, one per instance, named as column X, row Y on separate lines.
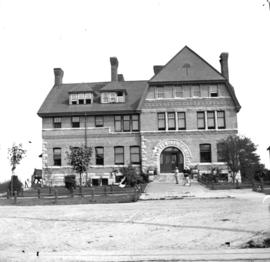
column 176, row 175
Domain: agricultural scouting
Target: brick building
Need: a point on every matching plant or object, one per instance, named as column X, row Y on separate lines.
column 176, row 118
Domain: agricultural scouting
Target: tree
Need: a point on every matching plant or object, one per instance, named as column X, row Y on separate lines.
column 240, row 154
column 16, row 153
column 79, row 158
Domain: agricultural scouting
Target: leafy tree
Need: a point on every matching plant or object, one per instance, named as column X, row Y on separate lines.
column 16, row 153
column 131, row 175
column 79, row 158
column 240, row 154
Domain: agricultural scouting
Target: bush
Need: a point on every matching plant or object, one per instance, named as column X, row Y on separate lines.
column 16, row 184
column 132, row 176
column 70, row 182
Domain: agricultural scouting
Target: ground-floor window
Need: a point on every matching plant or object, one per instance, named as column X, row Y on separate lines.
column 220, row 152
column 119, row 155
column 135, row 155
column 205, row 153
column 57, row 156
column 99, row 155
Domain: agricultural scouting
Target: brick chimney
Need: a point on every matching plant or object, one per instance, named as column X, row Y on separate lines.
column 58, row 76
column 224, row 65
column 114, row 67
column 120, row 77
column 157, row 68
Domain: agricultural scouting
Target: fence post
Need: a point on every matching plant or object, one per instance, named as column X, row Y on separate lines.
column 8, row 194
column 55, row 195
column 111, row 187
column 38, row 192
column 92, row 194
column 15, row 197
column 105, row 191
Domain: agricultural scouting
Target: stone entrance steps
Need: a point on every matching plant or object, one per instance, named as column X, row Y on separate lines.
column 165, row 178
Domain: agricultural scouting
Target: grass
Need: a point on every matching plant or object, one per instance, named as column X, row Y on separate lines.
column 90, row 195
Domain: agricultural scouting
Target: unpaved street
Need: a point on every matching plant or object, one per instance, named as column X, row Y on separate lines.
column 134, row 227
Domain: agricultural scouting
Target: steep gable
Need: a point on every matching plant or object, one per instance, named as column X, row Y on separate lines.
column 187, row 66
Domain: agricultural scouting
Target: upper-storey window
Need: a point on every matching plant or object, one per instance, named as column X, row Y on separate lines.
column 171, row 121
column 160, row 92
column 113, row 97
column 200, row 120
column 99, row 121
column 126, row 123
column 75, row 121
column 196, row 91
column 80, row 98
column 179, row 91
column 57, row 122
column 221, row 119
column 181, row 120
column 213, row 91
column 211, row 120
column 161, row 121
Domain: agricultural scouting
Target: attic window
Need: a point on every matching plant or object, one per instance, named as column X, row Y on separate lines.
column 80, row 98
column 112, row 97
column 186, row 67
column 213, row 91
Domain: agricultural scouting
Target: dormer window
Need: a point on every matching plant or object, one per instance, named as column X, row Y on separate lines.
column 80, row 98
column 112, row 97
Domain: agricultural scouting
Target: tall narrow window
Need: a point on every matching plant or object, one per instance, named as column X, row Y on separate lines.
column 135, row 155
column 221, row 119
column 220, row 152
column 75, row 121
column 161, row 121
column 117, row 123
column 160, row 92
column 205, row 153
column 179, row 91
column 135, row 122
column 200, row 120
column 181, row 120
column 126, row 123
column 196, row 91
column 57, row 122
column 119, row 155
column 99, row 121
column 99, row 155
column 211, row 120
column 171, row 121
column 57, row 156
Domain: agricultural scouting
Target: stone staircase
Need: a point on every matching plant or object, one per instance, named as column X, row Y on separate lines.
column 165, row 178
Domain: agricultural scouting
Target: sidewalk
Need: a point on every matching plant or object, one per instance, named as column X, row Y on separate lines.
column 158, row 191
column 254, row 255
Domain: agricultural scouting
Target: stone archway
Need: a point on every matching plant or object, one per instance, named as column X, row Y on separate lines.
column 170, row 159
column 172, row 143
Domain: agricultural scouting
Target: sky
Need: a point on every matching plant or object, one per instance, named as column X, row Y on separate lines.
column 80, row 35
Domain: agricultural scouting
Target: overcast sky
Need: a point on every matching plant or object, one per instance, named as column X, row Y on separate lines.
column 80, row 36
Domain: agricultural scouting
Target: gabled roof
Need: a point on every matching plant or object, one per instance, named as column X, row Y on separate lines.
column 187, row 66
column 57, row 101
column 113, row 86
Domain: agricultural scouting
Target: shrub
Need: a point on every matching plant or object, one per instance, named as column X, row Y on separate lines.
column 16, row 184
column 132, row 176
column 70, row 182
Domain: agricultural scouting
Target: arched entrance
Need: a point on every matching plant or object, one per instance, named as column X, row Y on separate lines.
column 170, row 158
